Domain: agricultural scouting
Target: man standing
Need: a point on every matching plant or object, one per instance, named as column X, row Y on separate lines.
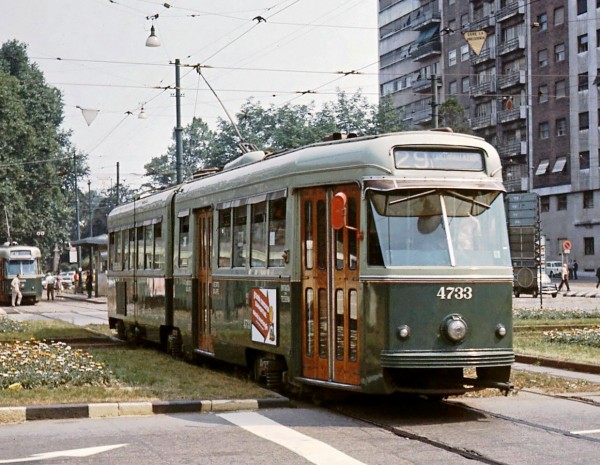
column 15, row 288
column 50, row 286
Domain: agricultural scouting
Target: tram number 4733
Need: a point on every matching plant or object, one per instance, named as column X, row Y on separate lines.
column 457, row 293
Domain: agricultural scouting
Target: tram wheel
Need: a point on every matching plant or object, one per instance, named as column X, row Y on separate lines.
column 121, row 330
column 517, row 293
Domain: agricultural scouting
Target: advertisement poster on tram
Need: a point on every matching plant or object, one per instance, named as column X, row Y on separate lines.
column 263, row 303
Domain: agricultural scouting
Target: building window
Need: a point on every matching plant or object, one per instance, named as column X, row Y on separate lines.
column 561, row 202
column 584, row 121
column 543, row 93
column 588, row 199
column 543, row 58
column 561, row 127
column 451, row 57
column 582, row 43
column 542, row 21
column 584, row 160
column 464, row 52
column 581, row 7
column 544, row 204
column 583, row 82
column 559, row 53
column 588, row 246
column 560, row 89
column 452, row 88
column 559, row 16
column 465, row 85
column 544, row 130
column 464, row 20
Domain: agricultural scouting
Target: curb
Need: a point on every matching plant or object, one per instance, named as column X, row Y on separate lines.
column 561, row 364
column 120, row 409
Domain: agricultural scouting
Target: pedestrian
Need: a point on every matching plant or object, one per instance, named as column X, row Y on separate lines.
column 49, row 286
column 575, row 268
column 15, row 288
column 570, row 269
column 598, row 277
column 564, row 277
column 57, row 284
column 76, row 282
column 89, row 284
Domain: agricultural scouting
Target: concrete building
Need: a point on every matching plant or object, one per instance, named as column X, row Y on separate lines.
column 532, row 91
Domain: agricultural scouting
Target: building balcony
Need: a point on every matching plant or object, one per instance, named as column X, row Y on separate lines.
column 486, row 54
column 421, row 85
column 422, row 115
column 512, row 148
column 482, row 122
column 513, row 79
column 515, row 8
column 480, row 24
column 514, row 114
column 518, row 43
column 427, row 50
column 425, row 16
column 484, row 88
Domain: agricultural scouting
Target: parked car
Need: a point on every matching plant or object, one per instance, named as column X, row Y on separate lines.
column 548, row 287
column 66, row 278
column 553, row 268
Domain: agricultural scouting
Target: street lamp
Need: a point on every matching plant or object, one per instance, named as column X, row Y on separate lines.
column 152, row 40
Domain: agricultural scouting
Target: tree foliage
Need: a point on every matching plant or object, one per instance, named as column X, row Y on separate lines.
column 36, row 161
column 272, row 129
column 452, row 115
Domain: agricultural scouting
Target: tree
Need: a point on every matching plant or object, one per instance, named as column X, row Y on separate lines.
column 273, row 129
column 452, row 115
column 35, row 155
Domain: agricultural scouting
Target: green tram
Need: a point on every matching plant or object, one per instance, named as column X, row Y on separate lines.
column 376, row 264
column 25, row 261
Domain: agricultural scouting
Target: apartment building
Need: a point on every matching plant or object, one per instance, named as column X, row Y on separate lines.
column 531, row 91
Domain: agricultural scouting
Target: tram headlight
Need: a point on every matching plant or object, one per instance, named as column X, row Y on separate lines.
column 454, row 328
column 403, row 331
column 500, row 330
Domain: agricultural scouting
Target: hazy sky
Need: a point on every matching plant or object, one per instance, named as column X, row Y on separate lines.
column 94, row 52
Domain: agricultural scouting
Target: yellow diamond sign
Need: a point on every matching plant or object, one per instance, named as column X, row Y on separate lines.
column 475, row 39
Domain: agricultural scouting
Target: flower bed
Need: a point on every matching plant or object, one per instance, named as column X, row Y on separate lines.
column 587, row 337
column 31, row 364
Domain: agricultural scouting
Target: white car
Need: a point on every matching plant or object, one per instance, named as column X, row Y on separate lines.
column 67, row 279
column 553, row 268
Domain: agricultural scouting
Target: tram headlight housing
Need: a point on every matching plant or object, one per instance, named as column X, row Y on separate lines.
column 500, row 330
column 454, row 328
column 403, row 332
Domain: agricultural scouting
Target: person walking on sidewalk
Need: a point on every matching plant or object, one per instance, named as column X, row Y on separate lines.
column 564, row 277
column 575, row 268
column 598, row 277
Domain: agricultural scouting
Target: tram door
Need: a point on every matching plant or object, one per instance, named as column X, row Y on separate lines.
column 330, row 285
column 204, row 224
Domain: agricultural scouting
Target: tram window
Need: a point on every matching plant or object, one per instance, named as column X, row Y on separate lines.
column 140, row 247
column 374, row 254
column 159, row 253
column 352, row 233
column 118, row 244
column 184, row 241
column 321, row 235
column 339, row 325
column 323, row 325
column 339, row 249
column 308, row 235
column 258, row 239
column 129, row 238
column 149, row 245
column 353, row 325
column 111, row 246
column 276, row 232
column 225, row 238
column 240, row 253
column 310, row 322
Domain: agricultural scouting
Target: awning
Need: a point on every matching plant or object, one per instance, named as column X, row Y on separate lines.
column 542, row 167
column 559, row 165
column 102, row 239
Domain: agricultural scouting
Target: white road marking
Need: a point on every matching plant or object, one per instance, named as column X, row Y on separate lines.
column 589, row 431
column 311, row 449
column 65, row 453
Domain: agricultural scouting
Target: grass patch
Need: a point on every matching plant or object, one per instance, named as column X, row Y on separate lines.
column 539, row 345
column 41, row 330
column 545, row 316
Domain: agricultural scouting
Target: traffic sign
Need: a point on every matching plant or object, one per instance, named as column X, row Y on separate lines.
column 567, row 245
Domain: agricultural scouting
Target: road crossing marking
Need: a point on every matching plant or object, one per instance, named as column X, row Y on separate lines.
column 311, row 449
column 589, row 431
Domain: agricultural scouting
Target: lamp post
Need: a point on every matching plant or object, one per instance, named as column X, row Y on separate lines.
column 77, row 218
column 91, row 272
column 178, row 128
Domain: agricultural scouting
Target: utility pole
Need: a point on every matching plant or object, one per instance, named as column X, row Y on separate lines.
column 91, row 228
column 435, row 120
column 77, row 217
column 117, row 184
column 178, row 128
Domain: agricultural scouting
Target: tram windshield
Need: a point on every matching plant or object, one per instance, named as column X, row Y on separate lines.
column 437, row 227
column 23, row 267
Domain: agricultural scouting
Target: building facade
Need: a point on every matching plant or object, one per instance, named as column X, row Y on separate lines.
column 531, row 91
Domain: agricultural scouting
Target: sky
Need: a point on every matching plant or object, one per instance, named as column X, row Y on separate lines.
column 94, row 52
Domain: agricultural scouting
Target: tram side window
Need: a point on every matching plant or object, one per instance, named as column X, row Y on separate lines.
column 258, row 239
column 239, row 236
column 159, row 253
column 276, row 232
column 129, row 238
column 184, row 241
column 111, row 245
column 118, row 244
column 149, row 245
column 225, row 238
column 140, row 247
